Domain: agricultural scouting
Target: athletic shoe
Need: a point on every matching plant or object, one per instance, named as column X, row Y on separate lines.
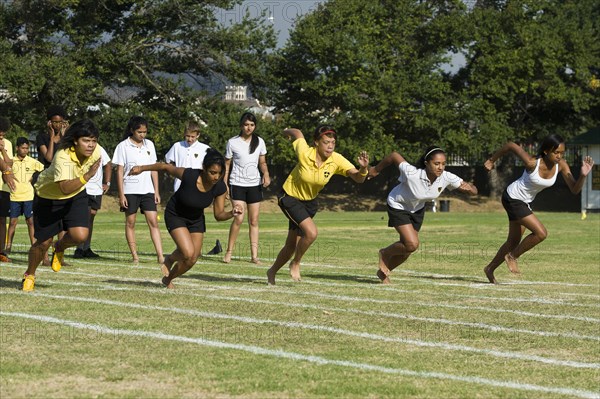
column 88, row 253
column 79, row 253
column 217, row 249
column 28, row 282
column 4, row 258
column 57, row 260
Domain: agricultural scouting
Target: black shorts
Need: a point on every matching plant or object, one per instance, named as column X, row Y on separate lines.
column 95, row 201
column 400, row 217
column 296, row 210
column 174, row 221
column 516, row 209
column 144, row 202
column 50, row 217
column 4, row 204
column 249, row 195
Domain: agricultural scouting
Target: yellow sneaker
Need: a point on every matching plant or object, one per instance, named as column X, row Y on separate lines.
column 28, row 282
column 57, row 260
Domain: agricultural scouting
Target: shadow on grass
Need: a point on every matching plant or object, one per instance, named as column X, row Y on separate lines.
column 17, row 284
column 357, row 279
column 208, row 278
column 146, row 284
column 449, row 278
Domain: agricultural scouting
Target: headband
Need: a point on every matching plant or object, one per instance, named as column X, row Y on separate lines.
column 430, row 151
column 326, row 132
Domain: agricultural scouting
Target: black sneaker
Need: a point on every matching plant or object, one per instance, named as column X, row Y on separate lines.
column 78, row 254
column 217, row 249
column 90, row 254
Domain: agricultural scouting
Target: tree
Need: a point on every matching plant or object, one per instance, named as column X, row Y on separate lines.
column 373, row 69
column 152, row 57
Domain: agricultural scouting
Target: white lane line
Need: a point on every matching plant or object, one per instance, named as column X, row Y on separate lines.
column 186, row 282
column 335, row 330
column 256, row 350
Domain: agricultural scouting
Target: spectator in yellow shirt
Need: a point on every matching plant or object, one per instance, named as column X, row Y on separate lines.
column 298, row 199
column 61, row 203
column 21, row 199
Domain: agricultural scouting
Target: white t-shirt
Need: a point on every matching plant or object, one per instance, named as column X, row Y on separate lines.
column 128, row 155
column 244, row 166
column 186, row 156
column 94, row 185
column 415, row 189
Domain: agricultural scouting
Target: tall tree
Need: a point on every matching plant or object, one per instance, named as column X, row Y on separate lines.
column 374, row 70
column 156, row 56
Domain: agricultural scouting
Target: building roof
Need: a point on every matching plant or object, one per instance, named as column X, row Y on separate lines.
column 592, row 136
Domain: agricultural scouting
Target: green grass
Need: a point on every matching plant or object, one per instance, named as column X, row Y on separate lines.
column 106, row 328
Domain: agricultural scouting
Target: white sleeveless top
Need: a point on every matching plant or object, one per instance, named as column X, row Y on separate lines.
column 529, row 184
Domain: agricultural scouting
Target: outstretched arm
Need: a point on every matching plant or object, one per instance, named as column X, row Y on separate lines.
column 516, row 149
column 219, row 209
column 468, row 188
column 159, row 166
column 293, row 134
column 392, row 158
column 576, row 185
column 360, row 175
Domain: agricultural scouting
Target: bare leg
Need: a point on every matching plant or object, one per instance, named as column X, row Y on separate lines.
column 189, row 246
column 397, row 253
column 12, row 226
column 130, row 236
column 309, row 230
column 234, row 231
column 152, row 221
column 515, row 232
column 253, row 214
column 284, row 255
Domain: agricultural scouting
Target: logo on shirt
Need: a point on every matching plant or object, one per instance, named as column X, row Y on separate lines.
column 196, row 155
column 326, row 173
column 148, row 152
column 439, row 189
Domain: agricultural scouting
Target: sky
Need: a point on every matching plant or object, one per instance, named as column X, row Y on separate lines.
column 282, row 14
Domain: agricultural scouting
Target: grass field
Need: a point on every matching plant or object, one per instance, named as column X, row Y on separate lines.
column 106, row 328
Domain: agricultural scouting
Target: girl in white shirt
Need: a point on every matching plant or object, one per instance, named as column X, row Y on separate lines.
column 245, row 161
column 141, row 191
column 540, row 172
column 406, row 202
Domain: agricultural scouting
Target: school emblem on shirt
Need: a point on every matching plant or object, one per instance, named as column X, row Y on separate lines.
column 196, row 155
column 439, row 189
column 326, row 173
column 148, row 152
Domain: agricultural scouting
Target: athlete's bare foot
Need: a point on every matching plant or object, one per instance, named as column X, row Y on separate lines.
column 384, row 279
column 256, row 261
column 165, row 281
column 227, row 257
column 295, row 271
column 489, row 273
column 165, row 270
column 271, row 276
column 512, row 264
column 135, row 261
column 382, row 266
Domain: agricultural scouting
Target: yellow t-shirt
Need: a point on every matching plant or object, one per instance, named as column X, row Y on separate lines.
column 307, row 179
column 9, row 151
column 65, row 166
column 23, row 169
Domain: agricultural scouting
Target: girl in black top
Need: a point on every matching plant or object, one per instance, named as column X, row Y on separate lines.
column 184, row 214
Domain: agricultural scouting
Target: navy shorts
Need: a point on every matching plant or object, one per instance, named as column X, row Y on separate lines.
column 400, row 217
column 174, row 221
column 249, row 195
column 144, row 202
column 296, row 210
column 50, row 217
column 516, row 209
column 19, row 208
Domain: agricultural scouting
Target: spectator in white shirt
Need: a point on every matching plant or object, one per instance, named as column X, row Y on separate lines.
column 188, row 153
column 139, row 191
column 245, row 161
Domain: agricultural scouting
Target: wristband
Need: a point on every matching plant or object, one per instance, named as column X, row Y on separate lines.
column 363, row 174
column 82, row 180
column 7, row 172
